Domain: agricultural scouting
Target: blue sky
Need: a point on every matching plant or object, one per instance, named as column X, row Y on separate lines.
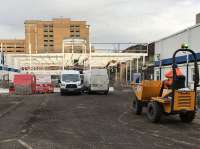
column 110, row 20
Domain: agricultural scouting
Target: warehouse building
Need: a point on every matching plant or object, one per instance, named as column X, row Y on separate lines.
column 164, row 49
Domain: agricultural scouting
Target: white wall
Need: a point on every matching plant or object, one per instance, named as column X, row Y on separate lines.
column 166, row 47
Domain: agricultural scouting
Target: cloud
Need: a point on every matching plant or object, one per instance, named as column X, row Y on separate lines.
column 110, row 20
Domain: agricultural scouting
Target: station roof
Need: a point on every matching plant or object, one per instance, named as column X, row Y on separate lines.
column 57, row 59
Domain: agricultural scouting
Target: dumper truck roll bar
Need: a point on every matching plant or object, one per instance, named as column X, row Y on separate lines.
column 196, row 69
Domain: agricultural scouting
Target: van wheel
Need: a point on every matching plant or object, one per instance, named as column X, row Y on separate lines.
column 187, row 117
column 89, row 91
column 136, row 105
column 106, row 92
column 154, row 112
column 62, row 93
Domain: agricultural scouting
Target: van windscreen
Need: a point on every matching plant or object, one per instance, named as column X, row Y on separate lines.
column 70, row 77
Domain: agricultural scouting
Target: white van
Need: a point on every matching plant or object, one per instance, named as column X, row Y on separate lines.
column 70, row 81
column 96, row 80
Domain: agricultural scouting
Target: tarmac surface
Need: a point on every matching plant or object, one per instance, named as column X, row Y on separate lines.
column 88, row 122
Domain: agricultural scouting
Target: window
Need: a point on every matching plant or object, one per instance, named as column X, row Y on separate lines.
column 19, row 51
column 50, row 35
column 45, row 45
column 157, row 75
column 45, row 25
column 45, row 40
column 45, row 35
column 71, row 35
column 192, row 74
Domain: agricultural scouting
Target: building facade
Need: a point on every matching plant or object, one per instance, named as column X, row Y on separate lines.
column 164, row 49
column 12, row 46
column 47, row 36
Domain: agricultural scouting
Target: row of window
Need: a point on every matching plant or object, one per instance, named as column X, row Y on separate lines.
column 74, row 26
column 192, row 72
column 47, row 25
column 13, row 51
column 51, row 25
column 74, row 35
column 48, row 30
column 48, row 35
column 75, row 31
column 48, row 40
column 13, row 47
column 50, row 45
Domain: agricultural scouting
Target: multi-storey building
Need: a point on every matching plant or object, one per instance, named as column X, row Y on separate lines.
column 12, row 45
column 48, row 36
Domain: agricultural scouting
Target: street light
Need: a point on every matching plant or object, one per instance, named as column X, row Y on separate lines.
column 160, row 64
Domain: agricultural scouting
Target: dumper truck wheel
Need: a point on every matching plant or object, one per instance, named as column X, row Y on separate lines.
column 154, row 112
column 137, row 106
column 187, row 117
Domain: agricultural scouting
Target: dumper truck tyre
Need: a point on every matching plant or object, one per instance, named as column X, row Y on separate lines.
column 137, row 106
column 187, row 117
column 154, row 112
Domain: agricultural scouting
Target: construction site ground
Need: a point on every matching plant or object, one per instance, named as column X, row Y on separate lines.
column 88, row 122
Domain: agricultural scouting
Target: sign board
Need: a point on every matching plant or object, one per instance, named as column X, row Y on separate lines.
column 43, row 79
column 137, row 77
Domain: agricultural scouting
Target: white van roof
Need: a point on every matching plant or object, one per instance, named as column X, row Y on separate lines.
column 97, row 71
column 70, row 72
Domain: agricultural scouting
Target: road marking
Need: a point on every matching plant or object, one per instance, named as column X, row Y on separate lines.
column 24, row 144
column 10, row 109
column 7, row 140
column 127, row 90
column 120, row 118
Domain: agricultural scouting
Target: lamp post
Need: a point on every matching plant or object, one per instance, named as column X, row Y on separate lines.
column 160, row 65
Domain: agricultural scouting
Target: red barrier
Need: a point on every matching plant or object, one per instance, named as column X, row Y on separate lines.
column 44, row 84
column 24, row 84
column 44, row 88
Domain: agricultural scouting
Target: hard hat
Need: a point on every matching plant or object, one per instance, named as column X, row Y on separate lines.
column 184, row 46
column 169, row 74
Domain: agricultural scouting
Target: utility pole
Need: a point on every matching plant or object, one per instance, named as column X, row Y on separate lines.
column 2, row 58
column 90, row 56
column 63, row 55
